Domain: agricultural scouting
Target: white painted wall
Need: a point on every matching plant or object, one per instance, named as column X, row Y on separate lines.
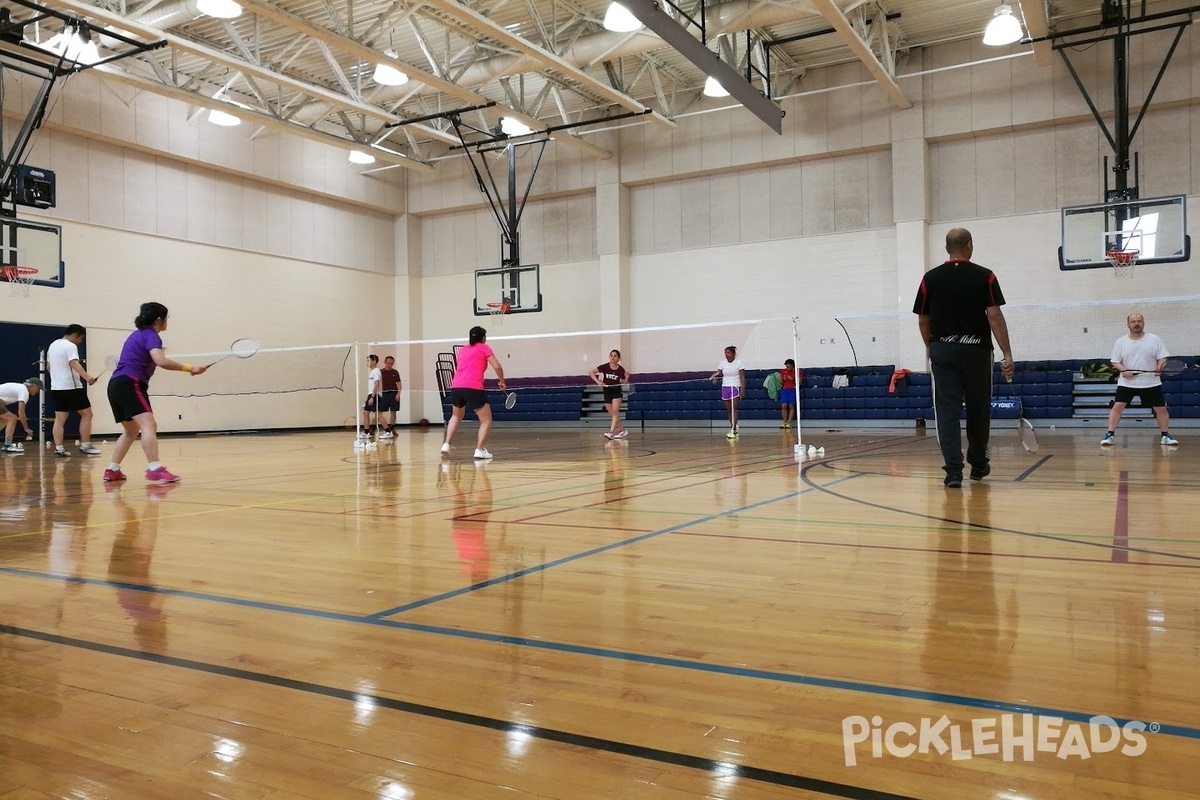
column 717, row 220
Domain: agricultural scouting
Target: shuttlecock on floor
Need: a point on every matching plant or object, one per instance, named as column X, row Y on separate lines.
column 820, row 451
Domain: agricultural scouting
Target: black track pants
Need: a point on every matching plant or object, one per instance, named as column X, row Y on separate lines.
column 962, row 375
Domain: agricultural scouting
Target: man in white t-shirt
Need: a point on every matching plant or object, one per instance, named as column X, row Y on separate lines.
column 370, row 409
column 16, row 394
column 1139, row 357
column 68, row 386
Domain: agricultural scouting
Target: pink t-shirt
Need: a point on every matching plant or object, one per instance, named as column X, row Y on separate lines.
column 472, row 363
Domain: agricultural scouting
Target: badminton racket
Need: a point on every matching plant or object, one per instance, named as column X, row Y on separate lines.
column 241, row 348
column 1025, row 431
column 110, row 363
column 510, row 400
column 1174, row 366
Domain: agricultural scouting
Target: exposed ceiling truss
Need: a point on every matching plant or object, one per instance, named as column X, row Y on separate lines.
column 306, row 66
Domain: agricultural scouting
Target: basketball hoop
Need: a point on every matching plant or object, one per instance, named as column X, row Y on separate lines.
column 1123, row 262
column 19, row 279
column 498, row 310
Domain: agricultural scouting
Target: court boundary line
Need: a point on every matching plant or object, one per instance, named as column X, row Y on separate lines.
column 779, row 677
column 578, row 740
column 993, row 528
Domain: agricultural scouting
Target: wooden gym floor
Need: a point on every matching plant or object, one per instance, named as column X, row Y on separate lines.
column 673, row 616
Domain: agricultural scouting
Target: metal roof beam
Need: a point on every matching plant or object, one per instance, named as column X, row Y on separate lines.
column 860, row 48
column 556, row 63
column 256, row 117
column 696, row 51
column 1037, row 27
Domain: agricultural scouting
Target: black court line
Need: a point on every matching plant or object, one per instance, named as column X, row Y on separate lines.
column 722, row 769
column 1050, row 537
column 1029, row 471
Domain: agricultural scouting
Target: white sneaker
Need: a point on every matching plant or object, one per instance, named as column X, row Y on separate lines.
column 445, row 448
column 732, row 434
column 1168, row 439
column 483, row 453
column 89, row 450
column 363, row 435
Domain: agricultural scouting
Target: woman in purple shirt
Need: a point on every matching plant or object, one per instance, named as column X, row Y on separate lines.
column 129, row 395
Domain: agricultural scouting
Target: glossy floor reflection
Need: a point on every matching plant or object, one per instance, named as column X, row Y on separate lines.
column 671, row 616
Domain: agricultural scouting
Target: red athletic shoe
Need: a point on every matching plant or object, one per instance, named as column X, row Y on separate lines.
column 161, row 474
column 114, row 475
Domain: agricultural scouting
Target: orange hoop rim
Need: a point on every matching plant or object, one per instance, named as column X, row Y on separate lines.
column 1122, row 258
column 498, row 308
column 9, row 272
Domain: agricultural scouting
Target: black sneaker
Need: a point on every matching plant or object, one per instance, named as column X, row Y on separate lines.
column 61, row 452
column 980, row 472
column 953, row 480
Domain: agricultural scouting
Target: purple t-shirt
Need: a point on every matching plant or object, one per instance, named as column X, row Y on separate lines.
column 135, row 361
column 472, row 363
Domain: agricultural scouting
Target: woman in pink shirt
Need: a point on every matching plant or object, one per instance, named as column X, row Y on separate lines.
column 467, row 389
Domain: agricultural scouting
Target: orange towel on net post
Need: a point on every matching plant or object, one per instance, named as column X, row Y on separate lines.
column 898, row 376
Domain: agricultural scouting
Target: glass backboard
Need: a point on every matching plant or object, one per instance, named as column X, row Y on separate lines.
column 1155, row 227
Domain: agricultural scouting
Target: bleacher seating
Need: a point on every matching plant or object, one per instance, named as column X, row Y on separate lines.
column 1045, row 388
column 554, row 399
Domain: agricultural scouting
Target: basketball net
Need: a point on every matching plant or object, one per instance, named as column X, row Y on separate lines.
column 497, row 312
column 19, row 280
column 1123, row 262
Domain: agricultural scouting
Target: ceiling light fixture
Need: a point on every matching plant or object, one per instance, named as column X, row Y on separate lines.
column 387, row 75
column 218, row 117
column 360, row 157
column 74, row 44
column 514, row 127
column 713, row 88
column 221, row 9
column 620, row 19
column 1004, row 27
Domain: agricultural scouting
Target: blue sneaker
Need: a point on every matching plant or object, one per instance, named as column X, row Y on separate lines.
column 1107, row 440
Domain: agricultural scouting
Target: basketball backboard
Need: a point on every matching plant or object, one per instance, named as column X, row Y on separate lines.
column 517, row 287
column 1156, row 227
column 33, row 244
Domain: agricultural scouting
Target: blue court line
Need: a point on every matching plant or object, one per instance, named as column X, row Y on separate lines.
column 860, row 687
column 677, row 663
column 594, row 551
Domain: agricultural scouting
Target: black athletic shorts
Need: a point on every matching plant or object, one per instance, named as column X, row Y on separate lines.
column 612, row 393
column 475, row 398
column 1151, row 396
column 66, row 400
column 389, row 401
column 370, row 404
column 128, row 398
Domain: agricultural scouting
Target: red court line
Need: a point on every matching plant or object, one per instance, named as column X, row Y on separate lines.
column 1120, row 553
column 929, row 549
